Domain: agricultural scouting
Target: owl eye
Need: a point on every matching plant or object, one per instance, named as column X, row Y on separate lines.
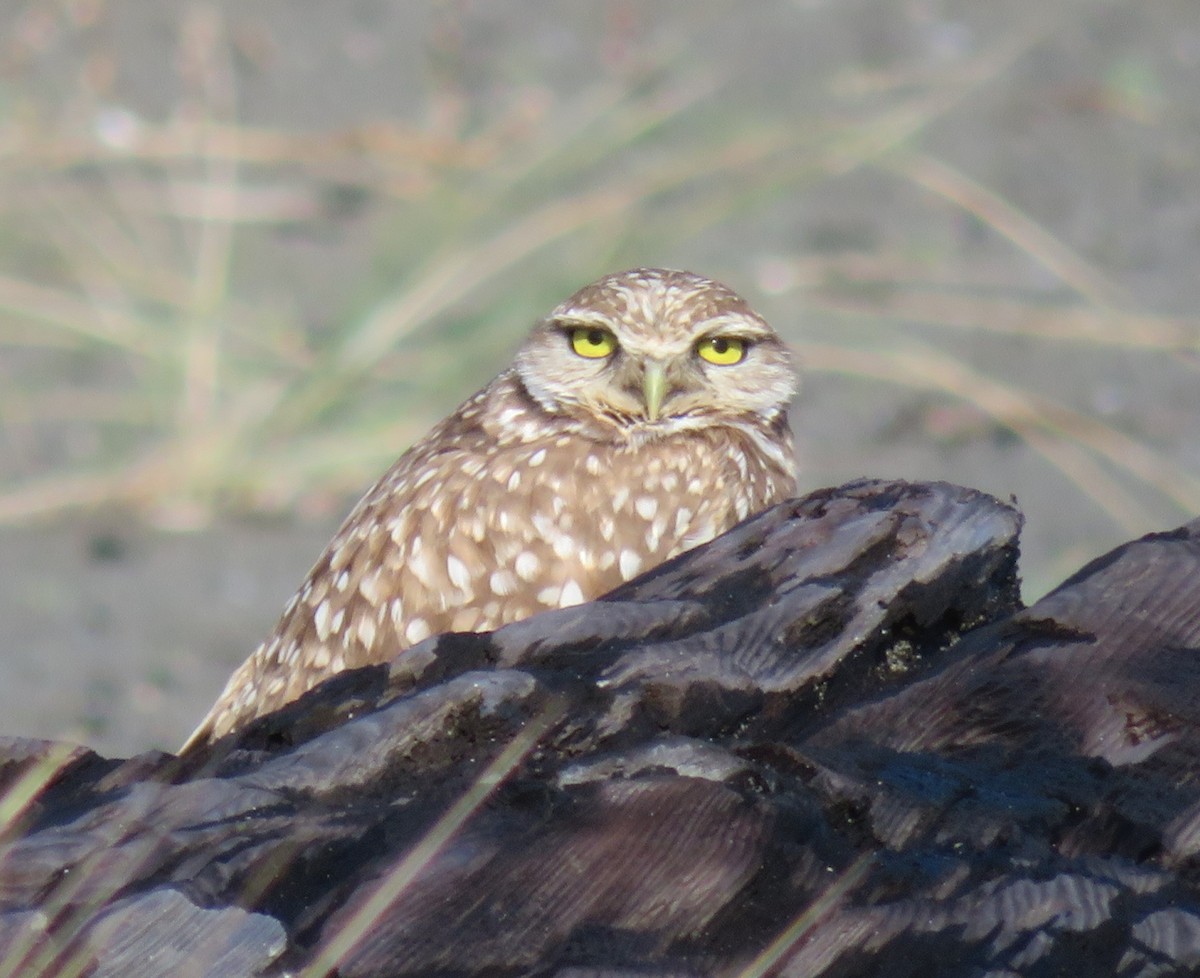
column 721, row 350
column 593, row 342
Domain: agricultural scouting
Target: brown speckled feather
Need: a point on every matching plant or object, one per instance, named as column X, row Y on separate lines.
column 547, row 488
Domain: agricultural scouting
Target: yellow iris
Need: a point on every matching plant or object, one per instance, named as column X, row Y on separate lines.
column 721, row 350
column 593, row 342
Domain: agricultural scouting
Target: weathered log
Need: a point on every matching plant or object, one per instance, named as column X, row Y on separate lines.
column 831, row 742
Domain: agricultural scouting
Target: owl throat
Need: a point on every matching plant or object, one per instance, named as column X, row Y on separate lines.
column 607, row 424
column 604, row 424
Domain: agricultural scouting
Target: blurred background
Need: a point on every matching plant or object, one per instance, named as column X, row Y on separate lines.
column 249, row 250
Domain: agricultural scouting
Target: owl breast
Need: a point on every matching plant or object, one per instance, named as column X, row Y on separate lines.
column 493, row 531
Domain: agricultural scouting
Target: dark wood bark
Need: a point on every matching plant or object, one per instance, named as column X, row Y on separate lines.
column 831, row 742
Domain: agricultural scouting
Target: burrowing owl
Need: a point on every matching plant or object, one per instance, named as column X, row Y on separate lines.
column 645, row 415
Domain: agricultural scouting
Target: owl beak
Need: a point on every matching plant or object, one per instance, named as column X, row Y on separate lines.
column 654, row 388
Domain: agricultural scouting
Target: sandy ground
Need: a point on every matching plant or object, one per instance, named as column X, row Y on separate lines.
column 120, row 636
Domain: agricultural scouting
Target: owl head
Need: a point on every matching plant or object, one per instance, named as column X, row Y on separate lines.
column 657, row 350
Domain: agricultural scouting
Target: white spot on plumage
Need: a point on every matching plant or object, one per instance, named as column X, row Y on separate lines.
column 321, row 620
column 420, row 566
column 425, row 478
column 658, row 527
column 646, row 507
column 502, row 582
column 683, row 516
column 527, row 566
column 340, row 556
column 630, row 564
column 653, row 537
column 460, row 577
column 399, row 532
column 371, row 588
column 366, row 631
column 418, row 630
column 571, row 594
